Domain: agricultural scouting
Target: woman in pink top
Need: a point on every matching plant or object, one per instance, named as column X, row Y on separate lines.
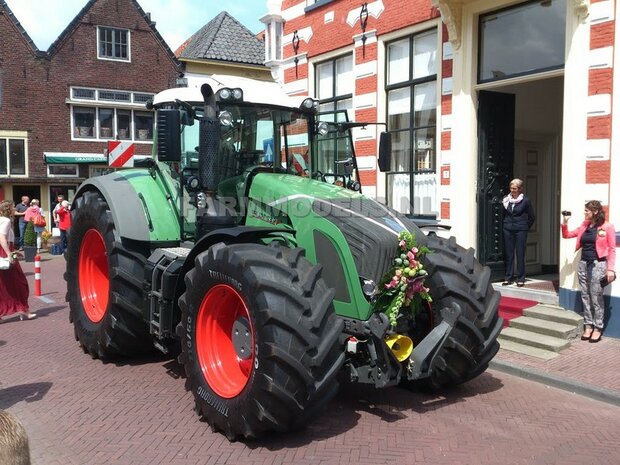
column 597, row 241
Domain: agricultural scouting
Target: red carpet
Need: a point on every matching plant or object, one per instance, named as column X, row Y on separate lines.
column 511, row 307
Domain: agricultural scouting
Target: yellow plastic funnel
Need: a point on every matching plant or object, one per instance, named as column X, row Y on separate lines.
column 401, row 346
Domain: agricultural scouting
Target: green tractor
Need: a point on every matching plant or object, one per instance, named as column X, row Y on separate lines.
column 246, row 247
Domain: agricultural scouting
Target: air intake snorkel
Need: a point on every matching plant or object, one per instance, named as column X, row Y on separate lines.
column 208, row 172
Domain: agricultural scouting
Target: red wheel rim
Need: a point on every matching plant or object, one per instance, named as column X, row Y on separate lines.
column 225, row 363
column 93, row 275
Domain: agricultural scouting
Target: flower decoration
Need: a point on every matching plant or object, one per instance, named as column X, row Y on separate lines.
column 403, row 285
column 601, row 232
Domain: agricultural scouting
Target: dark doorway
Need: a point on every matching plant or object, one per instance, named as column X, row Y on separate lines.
column 32, row 191
column 496, row 126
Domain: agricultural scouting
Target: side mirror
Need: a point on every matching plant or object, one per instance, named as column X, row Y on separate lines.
column 385, row 151
column 168, row 135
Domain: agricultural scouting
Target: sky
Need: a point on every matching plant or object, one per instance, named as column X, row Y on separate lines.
column 176, row 20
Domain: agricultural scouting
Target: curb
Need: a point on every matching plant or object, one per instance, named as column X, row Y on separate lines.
column 588, row 390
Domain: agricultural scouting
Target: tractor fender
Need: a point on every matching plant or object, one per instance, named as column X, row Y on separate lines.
column 139, row 206
column 237, row 234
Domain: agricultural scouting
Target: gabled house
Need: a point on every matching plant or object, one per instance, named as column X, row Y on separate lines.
column 223, row 46
column 59, row 108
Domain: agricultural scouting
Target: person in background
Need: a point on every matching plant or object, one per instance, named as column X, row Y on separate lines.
column 518, row 219
column 20, row 212
column 59, row 199
column 31, row 213
column 597, row 240
column 64, row 223
column 14, row 288
column 14, row 446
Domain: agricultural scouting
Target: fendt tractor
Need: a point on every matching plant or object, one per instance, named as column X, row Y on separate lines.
column 245, row 247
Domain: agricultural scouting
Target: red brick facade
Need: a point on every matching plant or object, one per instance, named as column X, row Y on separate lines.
column 35, row 85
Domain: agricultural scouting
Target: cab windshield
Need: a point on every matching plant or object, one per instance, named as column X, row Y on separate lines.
column 255, row 136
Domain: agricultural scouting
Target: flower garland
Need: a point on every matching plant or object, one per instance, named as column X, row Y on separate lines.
column 403, row 285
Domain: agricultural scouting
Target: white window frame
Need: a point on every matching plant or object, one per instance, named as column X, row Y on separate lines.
column 51, row 175
column 100, row 57
column 15, row 135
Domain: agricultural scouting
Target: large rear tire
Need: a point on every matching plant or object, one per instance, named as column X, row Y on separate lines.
column 457, row 279
column 259, row 339
column 104, row 285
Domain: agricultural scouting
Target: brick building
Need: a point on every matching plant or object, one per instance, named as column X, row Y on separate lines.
column 60, row 107
column 474, row 93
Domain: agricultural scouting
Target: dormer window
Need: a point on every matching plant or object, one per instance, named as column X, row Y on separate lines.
column 113, row 43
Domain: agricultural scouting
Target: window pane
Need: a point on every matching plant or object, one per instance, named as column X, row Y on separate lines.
column 326, row 107
column 398, row 61
column 124, row 124
column 401, row 149
column 425, row 104
column 106, row 123
column 17, row 157
column 3, row 160
column 84, row 121
column 144, row 125
column 398, row 192
column 537, row 28
column 325, row 80
column 344, row 76
column 425, row 55
column 346, row 104
column 399, row 108
column 425, row 150
column 62, row 170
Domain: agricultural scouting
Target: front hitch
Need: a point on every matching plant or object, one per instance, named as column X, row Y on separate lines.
column 421, row 359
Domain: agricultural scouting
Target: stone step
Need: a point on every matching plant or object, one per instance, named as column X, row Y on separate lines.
column 553, row 313
column 542, row 341
column 550, row 328
column 527, row 350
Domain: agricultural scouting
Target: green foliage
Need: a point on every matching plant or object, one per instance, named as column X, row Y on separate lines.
column 30, row 237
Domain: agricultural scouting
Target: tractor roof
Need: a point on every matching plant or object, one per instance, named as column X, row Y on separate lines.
column 254, row 91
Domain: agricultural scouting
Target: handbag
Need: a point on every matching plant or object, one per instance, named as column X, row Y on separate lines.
column 55, row 232
column 5, row 264
column 39, row 221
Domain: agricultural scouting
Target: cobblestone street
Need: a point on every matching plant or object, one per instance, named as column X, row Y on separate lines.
column 81, row 411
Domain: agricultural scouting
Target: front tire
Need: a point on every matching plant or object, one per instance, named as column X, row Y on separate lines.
column 457, row 279
column 259, row 339
column 104, row 286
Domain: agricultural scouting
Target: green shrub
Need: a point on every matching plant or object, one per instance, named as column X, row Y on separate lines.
column 30, row 237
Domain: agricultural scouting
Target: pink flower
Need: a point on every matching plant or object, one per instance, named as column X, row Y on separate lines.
column 410, row 256
column 403, row 244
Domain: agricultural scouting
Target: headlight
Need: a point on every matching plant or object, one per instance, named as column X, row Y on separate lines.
column 237, row 94
column 224, row 94
column 310, row 104
column 226, row 118
column 323, row 128
column 369, row 288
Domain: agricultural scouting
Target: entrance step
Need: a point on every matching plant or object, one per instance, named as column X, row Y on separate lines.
column 556, row 314
column 527, row 349
column 549, row 328
column 529, row 338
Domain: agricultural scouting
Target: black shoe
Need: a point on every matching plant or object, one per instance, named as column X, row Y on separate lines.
column 593, row 340
column 520, row 284
column 506, row 283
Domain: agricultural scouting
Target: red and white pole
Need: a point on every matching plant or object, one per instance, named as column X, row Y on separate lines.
column 37, row 275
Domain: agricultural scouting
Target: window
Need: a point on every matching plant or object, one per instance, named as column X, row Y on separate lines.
column 411, row 115
column 539, row 30
column 62, row 171
column 113, row 43
column 334, row 84
column 12, row 156
column 119, row 115
column 144, row 125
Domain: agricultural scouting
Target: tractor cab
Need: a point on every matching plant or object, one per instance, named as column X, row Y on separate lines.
column 216, row 139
